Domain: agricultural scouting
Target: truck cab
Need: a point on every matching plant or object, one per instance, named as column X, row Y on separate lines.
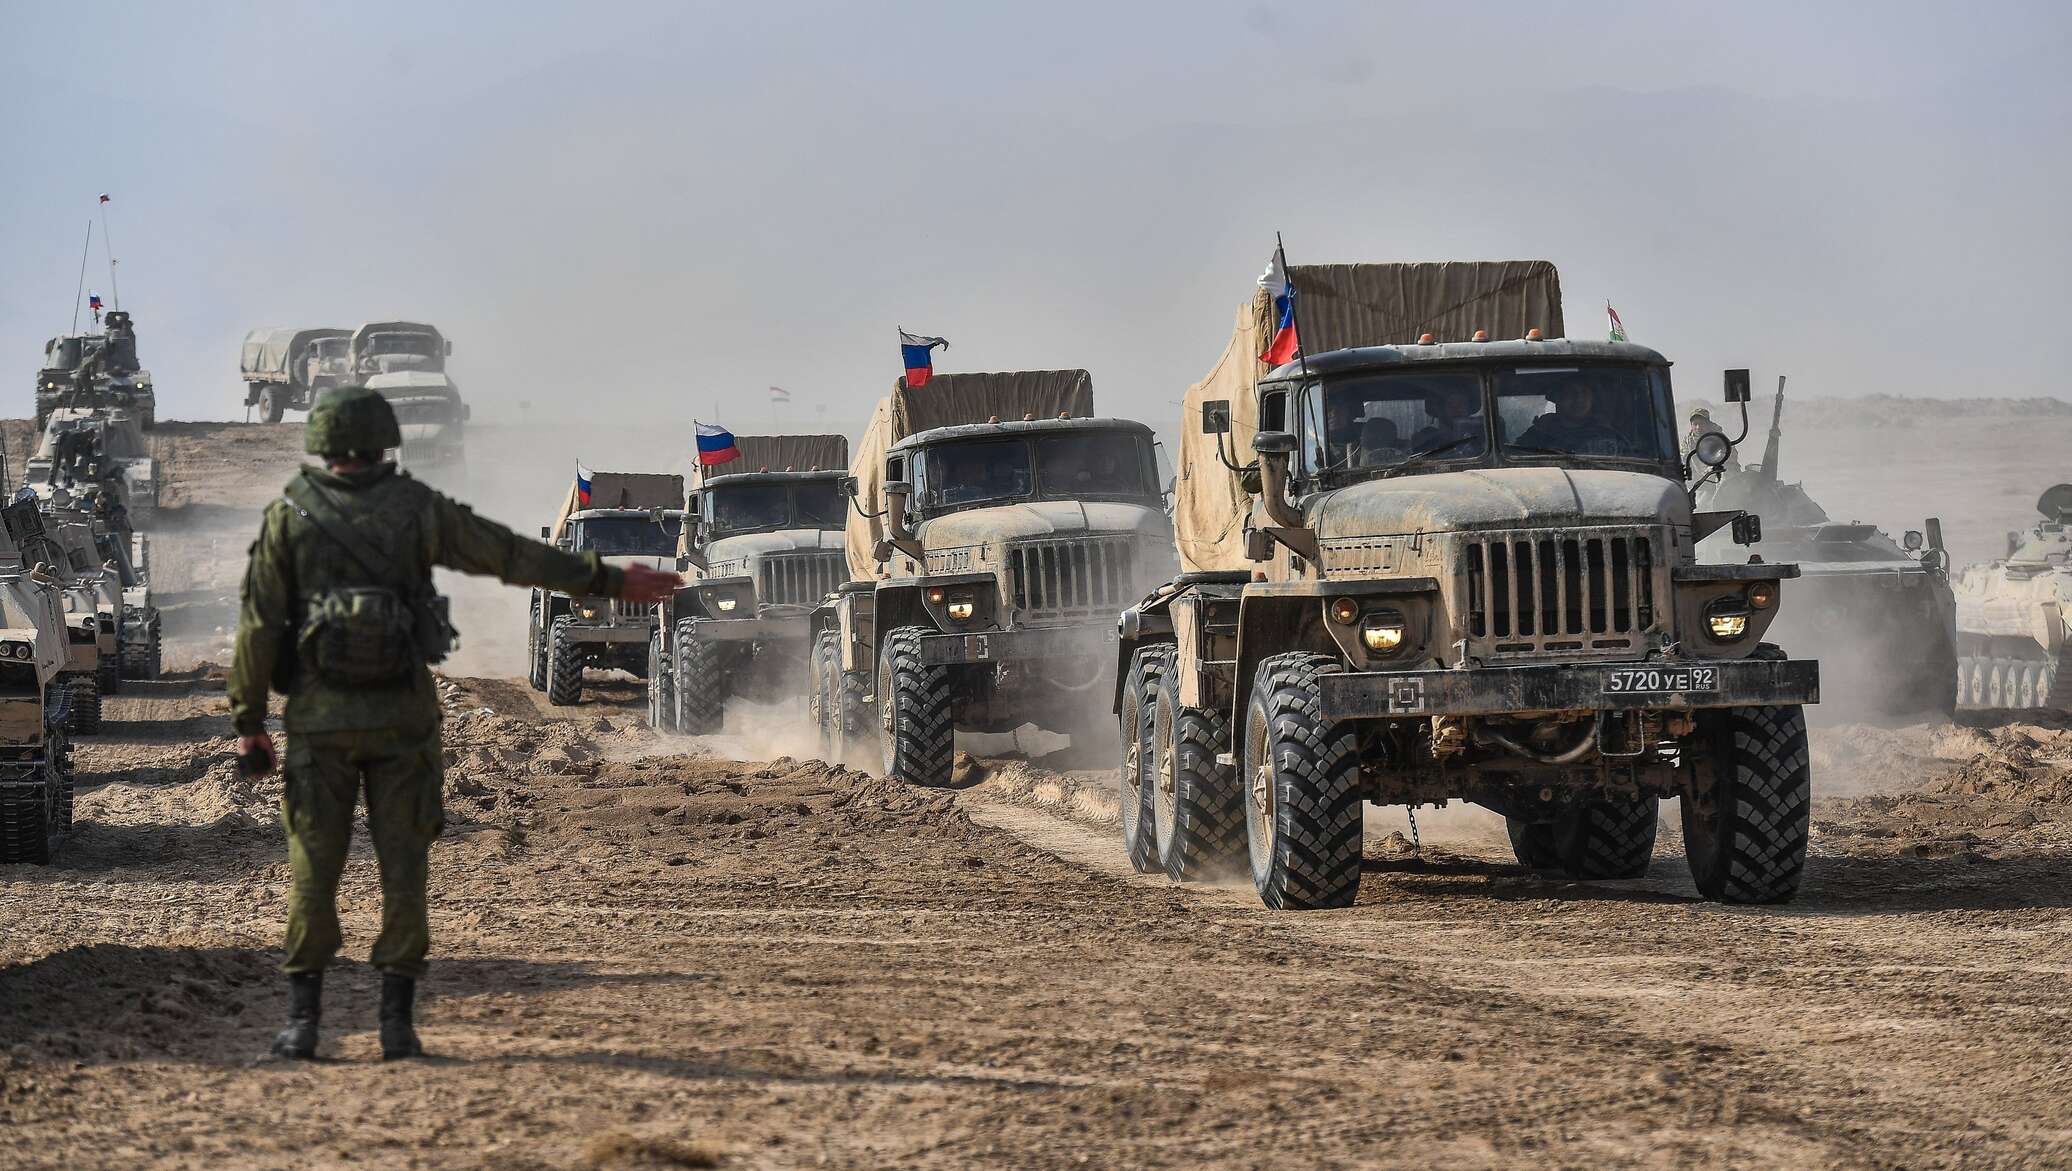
column 569, row 635
column 1474, row 577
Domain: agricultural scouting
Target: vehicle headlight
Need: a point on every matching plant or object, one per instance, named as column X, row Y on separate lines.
column 1382, row 632
column 16, row 650
column 1762, row 595
column 726, row 604
column 589, row 610
column 1727, row 619
column 962, row 608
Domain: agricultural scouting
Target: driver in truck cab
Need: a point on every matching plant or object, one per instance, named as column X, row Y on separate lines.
column 1456, row 414
column 1574, row 426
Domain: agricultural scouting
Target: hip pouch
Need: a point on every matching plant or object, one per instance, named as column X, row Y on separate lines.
column 359, row 636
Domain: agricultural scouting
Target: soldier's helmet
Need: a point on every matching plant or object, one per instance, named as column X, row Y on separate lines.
column 350, row 419
column 1701, row 415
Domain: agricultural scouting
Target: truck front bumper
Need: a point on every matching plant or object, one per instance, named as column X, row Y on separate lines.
column 768, row 628
column 1563, row 687
column 615, row 633
column 1013, row 646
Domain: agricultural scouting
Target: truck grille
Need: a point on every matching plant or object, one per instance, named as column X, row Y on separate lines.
column 1535, row 592
column 800, row 580
column 1062, row 580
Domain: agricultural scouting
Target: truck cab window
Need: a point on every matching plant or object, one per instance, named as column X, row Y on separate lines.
column 1606, row 412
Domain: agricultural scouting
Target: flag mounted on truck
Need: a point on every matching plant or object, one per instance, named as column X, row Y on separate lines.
column 918, row 354
column 715, row 444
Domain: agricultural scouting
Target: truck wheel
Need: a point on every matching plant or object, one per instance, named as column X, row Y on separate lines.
column 1608, row 838
column 1139, row 700
column 827, row 695
column 86, row 704
column 270, row 405
column 661, row 692
column 700, row 709
column 1302, row 777
column 847, row 714
column 916, row 737
column 535, row 652
column 564, row 668
column 1197, row 810
column 1747, row 842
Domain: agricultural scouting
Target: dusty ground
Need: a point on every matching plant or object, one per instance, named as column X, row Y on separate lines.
column 649, row 954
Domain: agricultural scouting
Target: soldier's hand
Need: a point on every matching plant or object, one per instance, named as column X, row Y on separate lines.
column 252, row 751
column 649, row 585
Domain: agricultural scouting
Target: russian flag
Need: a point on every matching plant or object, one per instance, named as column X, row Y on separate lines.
column 920, row 362
column 93, row 300
column 582, row 485
column 1281, row 288
column 715, row 445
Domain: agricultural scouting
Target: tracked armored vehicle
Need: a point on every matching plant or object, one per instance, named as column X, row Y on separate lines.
column 1878, row 614
column 100, row 457
column 623, row 517
column 96, row 371
column 764, row 545
column 2013, row 616
column 987, row 560
column 1420, row 570
column 36, row 772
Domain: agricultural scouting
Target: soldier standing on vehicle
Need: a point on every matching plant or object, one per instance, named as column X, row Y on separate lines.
column 339, row 615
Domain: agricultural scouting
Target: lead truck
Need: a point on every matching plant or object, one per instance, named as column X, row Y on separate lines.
column 625, row 518
column 1448, row 554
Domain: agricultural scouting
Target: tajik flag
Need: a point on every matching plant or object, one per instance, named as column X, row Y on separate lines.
column 1618, row 327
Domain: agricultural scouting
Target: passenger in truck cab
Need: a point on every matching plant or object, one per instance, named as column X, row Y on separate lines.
column 1456, row 414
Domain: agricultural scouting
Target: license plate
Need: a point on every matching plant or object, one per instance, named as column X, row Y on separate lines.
column 1660, row 680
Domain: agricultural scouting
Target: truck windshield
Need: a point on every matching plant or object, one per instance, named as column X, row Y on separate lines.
column 1385, row 420
column 1604, row 411
column 421, row 344
column 750, row 506
column 1080, row 464
column 1093, row 463
column 979, row 470
column 819, row 505
column 628, row 536
column 420, row 411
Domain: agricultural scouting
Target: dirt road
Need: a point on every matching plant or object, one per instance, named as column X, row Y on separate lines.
column 650, row 955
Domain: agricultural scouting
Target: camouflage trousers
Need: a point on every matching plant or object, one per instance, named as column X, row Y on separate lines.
column 323, row 776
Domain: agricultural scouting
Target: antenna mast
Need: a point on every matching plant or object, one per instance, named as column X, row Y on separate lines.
column 80, row 292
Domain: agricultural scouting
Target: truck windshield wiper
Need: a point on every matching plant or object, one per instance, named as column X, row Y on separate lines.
column 1427, row 453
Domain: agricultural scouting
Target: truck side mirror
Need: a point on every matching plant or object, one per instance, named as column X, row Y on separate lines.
column 1748, row 529
column 1736, row 386
column 545, row 532
column 1215, row 417
column 449, row 347
column 849, row 486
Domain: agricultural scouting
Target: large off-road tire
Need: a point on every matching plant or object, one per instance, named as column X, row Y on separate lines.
column 1197, row 808
column 564, row 667
column 1602, row 838
column 701, row 703
column 535, row 652
column 661, row 686
column 85, row 704
column 1302, row 789
column 271, row 404
column 1139, row 700
column 843, row 695
column 916, row 736
column 1746, row 839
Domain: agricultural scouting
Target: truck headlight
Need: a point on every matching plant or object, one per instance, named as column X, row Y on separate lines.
column 1727, row 619
column 16, row 650
column 589, row 610
column 727, row 603
column 1382, row 632
column 962, row 608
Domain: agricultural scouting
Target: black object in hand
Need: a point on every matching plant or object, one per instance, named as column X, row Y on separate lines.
column 254, row 763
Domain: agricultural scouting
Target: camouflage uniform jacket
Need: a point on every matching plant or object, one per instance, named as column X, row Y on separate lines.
column 292, row 561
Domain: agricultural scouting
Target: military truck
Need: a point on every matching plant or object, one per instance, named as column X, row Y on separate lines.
column 2013, row 616
column 432, row 418
column 391, row 347
column 98, row 455
column 623, row 517
column 764, row 547
column 36, row 771
column 1422, row 566
column 1877, row 613
column 96, row 371
column 285, row 368
column 996, row 529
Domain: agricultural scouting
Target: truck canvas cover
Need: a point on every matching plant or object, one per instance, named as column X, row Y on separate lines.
column 1338, row 306
column 623, row 490
column 782, row 453
column 275, row 354
column 948, row 400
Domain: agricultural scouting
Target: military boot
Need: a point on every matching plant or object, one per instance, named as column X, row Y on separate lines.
column 398, row 1035
column 298, row 1041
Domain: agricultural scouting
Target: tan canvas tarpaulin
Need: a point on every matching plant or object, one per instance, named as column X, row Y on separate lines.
column 1338, row 306
column 781, row 453
column 623, row 490
column 948, row 400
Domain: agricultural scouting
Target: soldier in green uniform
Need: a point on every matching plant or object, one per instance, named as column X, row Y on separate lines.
column 339, row 615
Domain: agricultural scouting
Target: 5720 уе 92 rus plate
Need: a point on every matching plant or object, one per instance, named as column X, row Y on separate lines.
column 1660, row 680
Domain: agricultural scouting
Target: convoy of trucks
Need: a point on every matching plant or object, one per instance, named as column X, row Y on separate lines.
column 284, row 369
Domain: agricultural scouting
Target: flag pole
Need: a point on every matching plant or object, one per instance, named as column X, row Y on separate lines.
column 108, row 243
column 79, row 293
column 1294, row 306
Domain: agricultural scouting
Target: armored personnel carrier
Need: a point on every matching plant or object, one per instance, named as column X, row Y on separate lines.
column 1877, row 613
column 96, row 371
column 997, row 529
column 2013, row 616
column 1419, row 570
column 36, row 778
column 622, row 517
column 763, row 541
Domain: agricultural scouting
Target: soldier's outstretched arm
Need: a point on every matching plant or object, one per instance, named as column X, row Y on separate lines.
column 262, row 626
column 474, row 544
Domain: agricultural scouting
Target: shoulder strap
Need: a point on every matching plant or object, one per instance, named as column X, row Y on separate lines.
column 323, row 516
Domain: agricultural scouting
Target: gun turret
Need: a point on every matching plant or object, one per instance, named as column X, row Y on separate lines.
column 1776, row 434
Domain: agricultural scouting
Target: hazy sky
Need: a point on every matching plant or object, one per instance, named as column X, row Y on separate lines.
column 666, row 208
